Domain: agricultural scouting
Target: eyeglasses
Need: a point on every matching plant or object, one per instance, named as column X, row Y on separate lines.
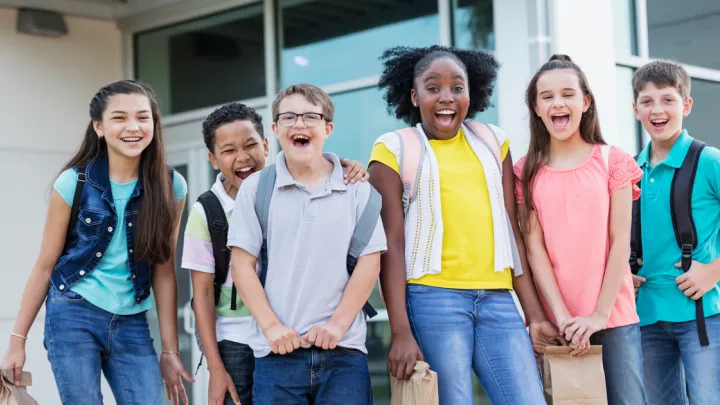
column 289, row 119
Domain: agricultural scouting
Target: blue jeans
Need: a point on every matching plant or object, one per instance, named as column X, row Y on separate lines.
column 461, row 331
column 240, row 364
column 676, row 364
column 623, row 364
column 313, row 376
column 82, row 340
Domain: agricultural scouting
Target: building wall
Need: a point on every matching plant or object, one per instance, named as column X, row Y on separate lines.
column 47, row 84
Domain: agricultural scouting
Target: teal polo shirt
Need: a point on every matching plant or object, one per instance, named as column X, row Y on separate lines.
column 659, row 298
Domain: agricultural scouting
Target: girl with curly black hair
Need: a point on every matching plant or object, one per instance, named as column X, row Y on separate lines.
column 452, row 232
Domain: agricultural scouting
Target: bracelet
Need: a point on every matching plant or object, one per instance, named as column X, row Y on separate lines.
column 17, row 335
column 170, row 352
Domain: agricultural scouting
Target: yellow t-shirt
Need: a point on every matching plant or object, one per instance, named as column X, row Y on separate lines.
column 468, row 243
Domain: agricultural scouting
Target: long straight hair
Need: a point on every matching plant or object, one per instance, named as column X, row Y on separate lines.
column 539, row 149
column 157, row 205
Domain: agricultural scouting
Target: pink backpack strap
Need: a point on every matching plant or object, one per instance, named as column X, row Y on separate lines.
column 488, row 136
column 411, row 153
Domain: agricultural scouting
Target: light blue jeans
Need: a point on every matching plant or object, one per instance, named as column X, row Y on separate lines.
column 676, row 364
column 82, row 340
column 461, row 331
column 623, row 364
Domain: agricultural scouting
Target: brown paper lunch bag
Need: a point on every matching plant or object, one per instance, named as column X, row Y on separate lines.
column 572, row 380
column 420, row 389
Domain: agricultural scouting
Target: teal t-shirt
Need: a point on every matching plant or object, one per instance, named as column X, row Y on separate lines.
column 109, row 286
column 659, row 298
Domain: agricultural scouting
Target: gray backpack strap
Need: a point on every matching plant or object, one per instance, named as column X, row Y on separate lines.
column 265, row 188
column 263, row 196
column 366, row 225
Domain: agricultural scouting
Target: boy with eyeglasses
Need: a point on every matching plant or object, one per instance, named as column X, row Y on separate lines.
column 309, row 327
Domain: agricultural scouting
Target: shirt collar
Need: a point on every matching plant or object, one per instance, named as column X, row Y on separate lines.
column 219, row 189
column 676, row 155
column 336, row 180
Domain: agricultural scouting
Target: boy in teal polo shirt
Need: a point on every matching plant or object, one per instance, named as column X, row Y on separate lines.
column 672, row 353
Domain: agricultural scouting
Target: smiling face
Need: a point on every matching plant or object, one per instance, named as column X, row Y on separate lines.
column 661, row 111
column 301, row 129
column 441, row 92
column 560, row 102
column 239, row 151
column 127, row 125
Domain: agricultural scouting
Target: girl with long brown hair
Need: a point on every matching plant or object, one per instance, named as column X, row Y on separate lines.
column 109, row 239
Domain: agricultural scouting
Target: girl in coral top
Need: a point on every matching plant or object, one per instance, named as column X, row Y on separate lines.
column 575, row 194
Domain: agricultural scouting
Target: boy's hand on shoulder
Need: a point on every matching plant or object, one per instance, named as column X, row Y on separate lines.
column 220, row 384
column 326, row 336
column 355, row 171
column 700, row 279
column 282, row 340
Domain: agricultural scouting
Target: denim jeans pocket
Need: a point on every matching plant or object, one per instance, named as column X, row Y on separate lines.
column 68, row 296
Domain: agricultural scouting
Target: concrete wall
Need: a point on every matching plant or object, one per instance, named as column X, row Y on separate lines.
column 46, row 85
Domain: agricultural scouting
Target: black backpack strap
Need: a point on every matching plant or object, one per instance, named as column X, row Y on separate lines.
column 75, row 208
column 683, row 223
column 218, row 227
column 635, row 235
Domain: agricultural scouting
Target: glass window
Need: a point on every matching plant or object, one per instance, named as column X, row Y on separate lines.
column 205, row 62
column 686, row 31
column 330, row 41
column 629, row 127
column 701, row 123
column 474, row 25
column 625, row 27
column 360, row 118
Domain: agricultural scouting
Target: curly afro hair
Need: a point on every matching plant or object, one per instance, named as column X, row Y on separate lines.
column 225, row 115
column 403, row 64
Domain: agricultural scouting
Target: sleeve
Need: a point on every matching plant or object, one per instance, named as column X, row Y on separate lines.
column 197, row 249
column 380, row 153
column 517, row 170
column 378, row 242
column 65, row 185
column 623, row 171
column 180, row 187
column 245, row 231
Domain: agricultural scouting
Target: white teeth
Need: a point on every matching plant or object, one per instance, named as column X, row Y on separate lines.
column 245, row 169
column 560, row 115
column 300, row 137
column 446, row 112
column 131, row 139
column 658, row 121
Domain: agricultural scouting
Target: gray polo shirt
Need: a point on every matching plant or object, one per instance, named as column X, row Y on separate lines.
column 308, row 240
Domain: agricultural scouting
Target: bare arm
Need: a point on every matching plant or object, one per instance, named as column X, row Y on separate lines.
column 404, row 352
column 164, row 284
column 617, row 264
column 204, row 307
column 281, row 339
column 524, row 285
column 36, row 288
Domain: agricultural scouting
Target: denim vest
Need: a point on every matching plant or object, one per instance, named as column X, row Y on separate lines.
column 95, row 227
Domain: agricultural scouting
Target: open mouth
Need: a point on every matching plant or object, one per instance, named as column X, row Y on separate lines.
column 560, row 121
column 244, row 172
column 445, row 117
column 132, row 139
column 659, row 124
column 300, row 141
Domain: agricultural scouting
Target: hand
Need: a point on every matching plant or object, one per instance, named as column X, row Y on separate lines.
column 697, row 281
column 355, row 171
column 282, row 340
column 543, row 334
column 173, row 372
column 404, row 353
column 580, row 349
column 637, row 282
column 326, row 336
column 221, row 383
column 577, row 331
column 14, row 359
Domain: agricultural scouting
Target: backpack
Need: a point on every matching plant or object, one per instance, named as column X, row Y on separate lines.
column 218, row 227
column 360, row 238
column 412, row 154
column 683, row 223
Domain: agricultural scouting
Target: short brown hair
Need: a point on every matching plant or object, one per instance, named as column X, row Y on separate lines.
column 315, row 95
column 662, row 73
